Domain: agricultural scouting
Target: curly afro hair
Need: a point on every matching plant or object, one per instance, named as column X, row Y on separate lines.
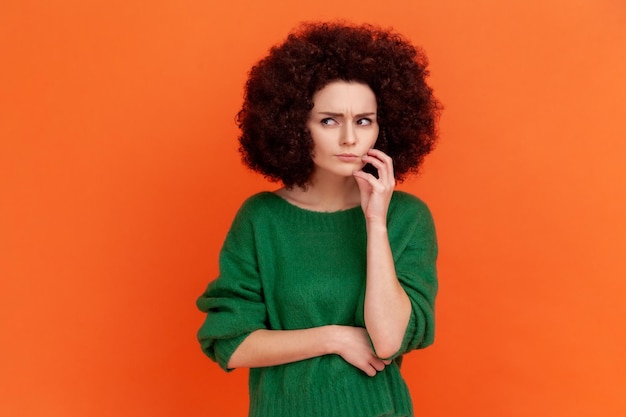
column 279, row 93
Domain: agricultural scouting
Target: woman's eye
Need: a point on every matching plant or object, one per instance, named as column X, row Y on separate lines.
column 364, row 122
column 329, row 122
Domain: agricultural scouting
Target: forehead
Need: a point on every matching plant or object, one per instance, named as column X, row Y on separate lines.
column 345, row 95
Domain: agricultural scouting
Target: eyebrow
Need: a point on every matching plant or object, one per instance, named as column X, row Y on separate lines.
column 328, row 113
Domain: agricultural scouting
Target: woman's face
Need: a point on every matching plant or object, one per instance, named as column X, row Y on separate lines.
column 343, row 126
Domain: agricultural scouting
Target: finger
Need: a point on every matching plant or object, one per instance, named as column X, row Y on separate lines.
column 377, row 185
column 368, row 184
column 387, row 165
column 378, row 365
column 387, row 361
column 382, row 162
column 373, row 160
column 370, row 371
column 381, row 169
column 366, row 177
column 380, row 155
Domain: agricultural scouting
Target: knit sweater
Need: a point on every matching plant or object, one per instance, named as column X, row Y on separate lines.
column 283, row 267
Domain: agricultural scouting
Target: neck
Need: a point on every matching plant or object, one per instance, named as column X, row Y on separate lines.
column 326, row 194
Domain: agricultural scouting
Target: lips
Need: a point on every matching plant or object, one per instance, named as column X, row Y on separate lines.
column 347, row 157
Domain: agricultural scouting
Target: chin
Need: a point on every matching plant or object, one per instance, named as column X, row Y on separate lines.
column 343, row 171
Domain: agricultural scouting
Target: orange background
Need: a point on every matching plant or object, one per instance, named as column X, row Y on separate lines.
column 119, row 177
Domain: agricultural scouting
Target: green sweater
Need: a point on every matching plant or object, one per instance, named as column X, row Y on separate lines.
column 283, row 267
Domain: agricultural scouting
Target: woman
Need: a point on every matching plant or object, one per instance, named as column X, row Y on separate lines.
column 326, row 282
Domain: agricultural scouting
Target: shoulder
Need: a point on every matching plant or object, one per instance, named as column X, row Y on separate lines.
column 260, row 199
column 410, row 221
column 257, row 204
column 404, row 204
column 409, row 215
column 251, row 211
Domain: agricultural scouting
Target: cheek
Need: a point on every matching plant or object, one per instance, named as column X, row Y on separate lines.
column 374, row 137
column 322, row 140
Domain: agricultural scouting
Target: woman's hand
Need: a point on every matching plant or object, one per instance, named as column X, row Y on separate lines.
column 353, row 345
column 376, row 192
column 387, row 308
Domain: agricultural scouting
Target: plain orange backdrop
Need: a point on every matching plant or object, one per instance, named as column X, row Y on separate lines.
column 119, row 176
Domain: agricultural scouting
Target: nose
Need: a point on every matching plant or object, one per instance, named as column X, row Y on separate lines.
column 348, row 135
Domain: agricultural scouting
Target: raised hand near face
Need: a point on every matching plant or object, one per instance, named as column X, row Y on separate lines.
column 376, row 192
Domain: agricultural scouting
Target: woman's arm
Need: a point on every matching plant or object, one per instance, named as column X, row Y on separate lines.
column 387, row 307
column 276, row 347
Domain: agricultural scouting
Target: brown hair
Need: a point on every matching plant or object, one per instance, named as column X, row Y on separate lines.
column 279, row 97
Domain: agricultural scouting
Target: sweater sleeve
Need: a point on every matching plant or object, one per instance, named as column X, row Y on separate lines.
column 234, row 301
column 415, row 261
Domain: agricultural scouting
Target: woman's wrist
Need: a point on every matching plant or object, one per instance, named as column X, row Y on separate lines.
column 331, row 339
column 376, row 225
